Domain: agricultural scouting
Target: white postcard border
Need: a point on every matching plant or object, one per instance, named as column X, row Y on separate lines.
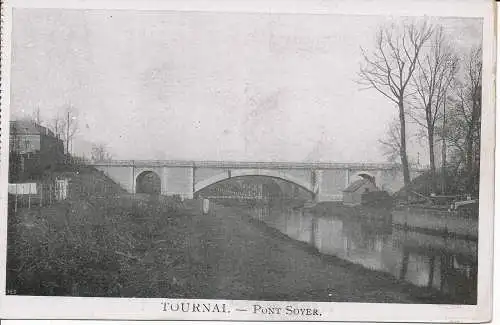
column 152, row 309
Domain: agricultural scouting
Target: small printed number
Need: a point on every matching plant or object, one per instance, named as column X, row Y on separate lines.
column 11, row 291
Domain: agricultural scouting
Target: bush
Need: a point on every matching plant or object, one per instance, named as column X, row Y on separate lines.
column 455, row 182
column 91, row 248
column 377, row 198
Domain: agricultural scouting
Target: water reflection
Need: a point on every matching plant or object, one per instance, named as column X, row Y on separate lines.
column 446, row 263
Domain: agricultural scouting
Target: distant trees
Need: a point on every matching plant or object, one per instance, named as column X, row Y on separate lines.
column 416, row 67
column 37, row 117
column 56, row 124
column 100, row 153
column 65, row 126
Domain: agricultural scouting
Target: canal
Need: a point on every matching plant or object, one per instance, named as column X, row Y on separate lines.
column 444, row 262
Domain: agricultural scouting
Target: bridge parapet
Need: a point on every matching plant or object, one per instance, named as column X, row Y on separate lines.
column 250, row 164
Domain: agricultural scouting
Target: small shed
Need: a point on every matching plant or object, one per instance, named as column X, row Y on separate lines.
column 352, row 194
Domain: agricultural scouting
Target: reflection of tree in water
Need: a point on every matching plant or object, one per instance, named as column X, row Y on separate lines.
column 458, row 276
column 366, row 234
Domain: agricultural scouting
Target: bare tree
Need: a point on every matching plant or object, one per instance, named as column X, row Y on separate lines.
column 56, row 124
column 36, row 117
column 100, row 153
column 391, row 143
column 390, row 68
column 70, row 126
column 434, row 75
column 463, row 132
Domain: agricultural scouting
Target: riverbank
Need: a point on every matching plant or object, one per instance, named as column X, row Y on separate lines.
column 339, row 280
column 439, row 222
column 125, row 246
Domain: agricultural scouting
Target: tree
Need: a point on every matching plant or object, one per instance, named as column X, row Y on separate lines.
column 390, row 68
column 36, row 117
column 434, row 75
column 100, row 153
column 391, row 143
column 70, row 126
column 57, row 125
column 463, row 132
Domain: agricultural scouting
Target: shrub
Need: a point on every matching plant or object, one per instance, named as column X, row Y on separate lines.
column 87, row 248
column 376, row 198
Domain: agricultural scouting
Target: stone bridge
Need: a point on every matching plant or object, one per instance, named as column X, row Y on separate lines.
column 325, row 181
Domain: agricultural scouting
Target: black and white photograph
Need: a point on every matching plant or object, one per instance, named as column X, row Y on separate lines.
column 247, row 164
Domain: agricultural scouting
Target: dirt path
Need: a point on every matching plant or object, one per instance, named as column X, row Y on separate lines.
column 246, row 261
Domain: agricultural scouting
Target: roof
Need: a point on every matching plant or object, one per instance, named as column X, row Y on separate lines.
column 28, row 127
column 354, row 186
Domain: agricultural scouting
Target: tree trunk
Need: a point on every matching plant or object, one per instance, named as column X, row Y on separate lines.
column 67, row 135
column 471, row 138
column 402, row 150
column 443, row 152
column 432, row 160
column 469, row 161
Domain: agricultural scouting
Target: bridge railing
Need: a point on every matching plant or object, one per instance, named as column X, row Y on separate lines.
column 250, row 164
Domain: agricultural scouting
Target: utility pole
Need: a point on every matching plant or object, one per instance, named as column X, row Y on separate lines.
column 67, row 133
column 38, row 119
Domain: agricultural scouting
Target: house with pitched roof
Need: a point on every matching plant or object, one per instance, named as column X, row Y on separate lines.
column 33, row 149
column 352, row 195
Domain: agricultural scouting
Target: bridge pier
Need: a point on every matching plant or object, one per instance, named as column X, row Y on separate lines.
column 132, row 178
column 164, row 180
column 347, row 177
column 190, row 194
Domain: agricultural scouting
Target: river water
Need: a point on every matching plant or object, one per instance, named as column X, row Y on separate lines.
column 446, row 263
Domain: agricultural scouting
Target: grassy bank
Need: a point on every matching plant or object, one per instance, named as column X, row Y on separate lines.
column 98, row 244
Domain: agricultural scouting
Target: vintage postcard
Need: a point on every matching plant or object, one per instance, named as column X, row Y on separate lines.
column 284, row 160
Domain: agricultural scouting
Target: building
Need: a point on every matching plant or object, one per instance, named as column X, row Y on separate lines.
column 33, row 149
column 352, row 195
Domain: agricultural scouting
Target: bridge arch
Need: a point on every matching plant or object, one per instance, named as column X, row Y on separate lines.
column 253, row 172
column 148, row 181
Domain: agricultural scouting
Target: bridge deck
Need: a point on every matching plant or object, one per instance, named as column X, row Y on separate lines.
column 245, row 164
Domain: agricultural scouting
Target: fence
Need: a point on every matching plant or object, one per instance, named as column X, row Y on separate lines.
column 28, row 195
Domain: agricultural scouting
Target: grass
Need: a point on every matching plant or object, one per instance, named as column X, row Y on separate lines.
column 97, row 244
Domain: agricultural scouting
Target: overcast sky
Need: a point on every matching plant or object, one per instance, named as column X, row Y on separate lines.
column 214, row 86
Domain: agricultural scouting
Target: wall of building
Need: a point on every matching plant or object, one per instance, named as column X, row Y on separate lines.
column 24, row 143
column 34, row 150
column 354, row 197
